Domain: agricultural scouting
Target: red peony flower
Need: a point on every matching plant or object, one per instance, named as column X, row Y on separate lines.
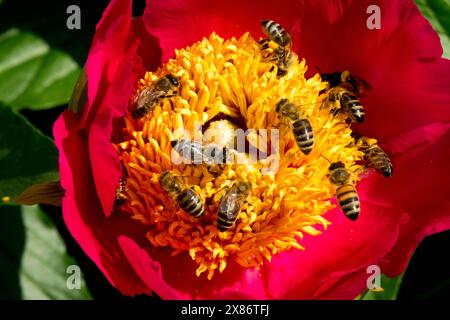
column 407, row 110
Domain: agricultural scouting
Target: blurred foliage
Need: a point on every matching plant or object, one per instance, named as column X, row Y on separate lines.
column 26, row 155
column 32, row 75
column 33, row 258
column 391, row 288
column 438, row 13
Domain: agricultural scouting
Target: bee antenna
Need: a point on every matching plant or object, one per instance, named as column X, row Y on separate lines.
column 325, row 158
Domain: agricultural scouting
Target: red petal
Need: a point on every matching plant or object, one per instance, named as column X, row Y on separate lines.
column 420, row 158
column 342, row 249
column 418, row 188
column 409, row 83
column 149, row 50
column 116, row 60
column 333, row 34
column 179, row 23
column 82, row 211
column 345, row 286
column 110, row 84
column 174, row 277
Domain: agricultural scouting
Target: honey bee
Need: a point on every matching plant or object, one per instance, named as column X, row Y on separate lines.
column 376, row 156
column 189, row 150
column 231, row 203
column 144, row 103
column 276, row 33
column 120, row 197
column 187, row 199
column 348, row 102
column 282, row 53
column 211, row 155
column 301, row 128
column 345, row 79
column 346, row 194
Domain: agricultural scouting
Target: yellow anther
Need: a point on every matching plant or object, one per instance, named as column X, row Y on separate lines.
column 228, row 78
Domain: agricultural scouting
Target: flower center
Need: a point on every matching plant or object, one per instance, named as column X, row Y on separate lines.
column 230, row 78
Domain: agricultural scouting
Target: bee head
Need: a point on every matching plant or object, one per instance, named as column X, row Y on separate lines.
column 169, row 182
column 333, row 79
column 287, row 109
column 356, row 135
column 280, row 104
column 244, row 187
column 173, row 80
column 264, row 23
column 173, row 143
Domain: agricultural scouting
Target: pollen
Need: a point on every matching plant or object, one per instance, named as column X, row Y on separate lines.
column 229, row 78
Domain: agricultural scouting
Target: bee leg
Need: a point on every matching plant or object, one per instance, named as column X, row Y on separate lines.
column 214, row 170
column 334, row 112
column 348, row 122
column 345, row 76
column 169, row 95
column 264, row 41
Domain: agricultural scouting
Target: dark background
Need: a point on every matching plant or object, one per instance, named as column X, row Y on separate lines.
column 428, row 274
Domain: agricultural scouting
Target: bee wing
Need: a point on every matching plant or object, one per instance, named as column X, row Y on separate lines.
column 147, row 96
column 79, row 94
column 346, row 85
column 214, row 154
column 359, row 85
column 196, row 152
column 231, row 204
column 191, row 150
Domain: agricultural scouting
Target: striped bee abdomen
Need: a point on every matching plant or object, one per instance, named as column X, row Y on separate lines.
column 353, row 107
column 380, row 161
column 304, row 135
column 191, row 203
column 224, row 224
column 140, row 112
column 229, row 208
column 348, row 201
column 275, row 32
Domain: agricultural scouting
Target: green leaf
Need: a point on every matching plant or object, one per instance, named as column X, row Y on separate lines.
column 438, row 13
column 391, row 287
column 27, row 156
column 32, row 75
column 33, row 258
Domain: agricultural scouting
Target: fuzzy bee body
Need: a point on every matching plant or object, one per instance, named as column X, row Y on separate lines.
column 355, row 84
column 348, row 102
column 189, row 150
column 303, row 134
column 190, row 202
column 282, row 54
column 301, row 128
column 120, row 197
column 346, row 194
column 213, row 156
column 187, row 199
column 379, row 160
column 348, row 201
column 276, row 32
column 231, row 203
column 147, row 99
column 376, row 156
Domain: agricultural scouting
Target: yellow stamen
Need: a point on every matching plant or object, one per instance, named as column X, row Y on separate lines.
column 229, row 77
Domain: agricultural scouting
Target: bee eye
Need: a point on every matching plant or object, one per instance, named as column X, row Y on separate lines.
column 173, row 80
